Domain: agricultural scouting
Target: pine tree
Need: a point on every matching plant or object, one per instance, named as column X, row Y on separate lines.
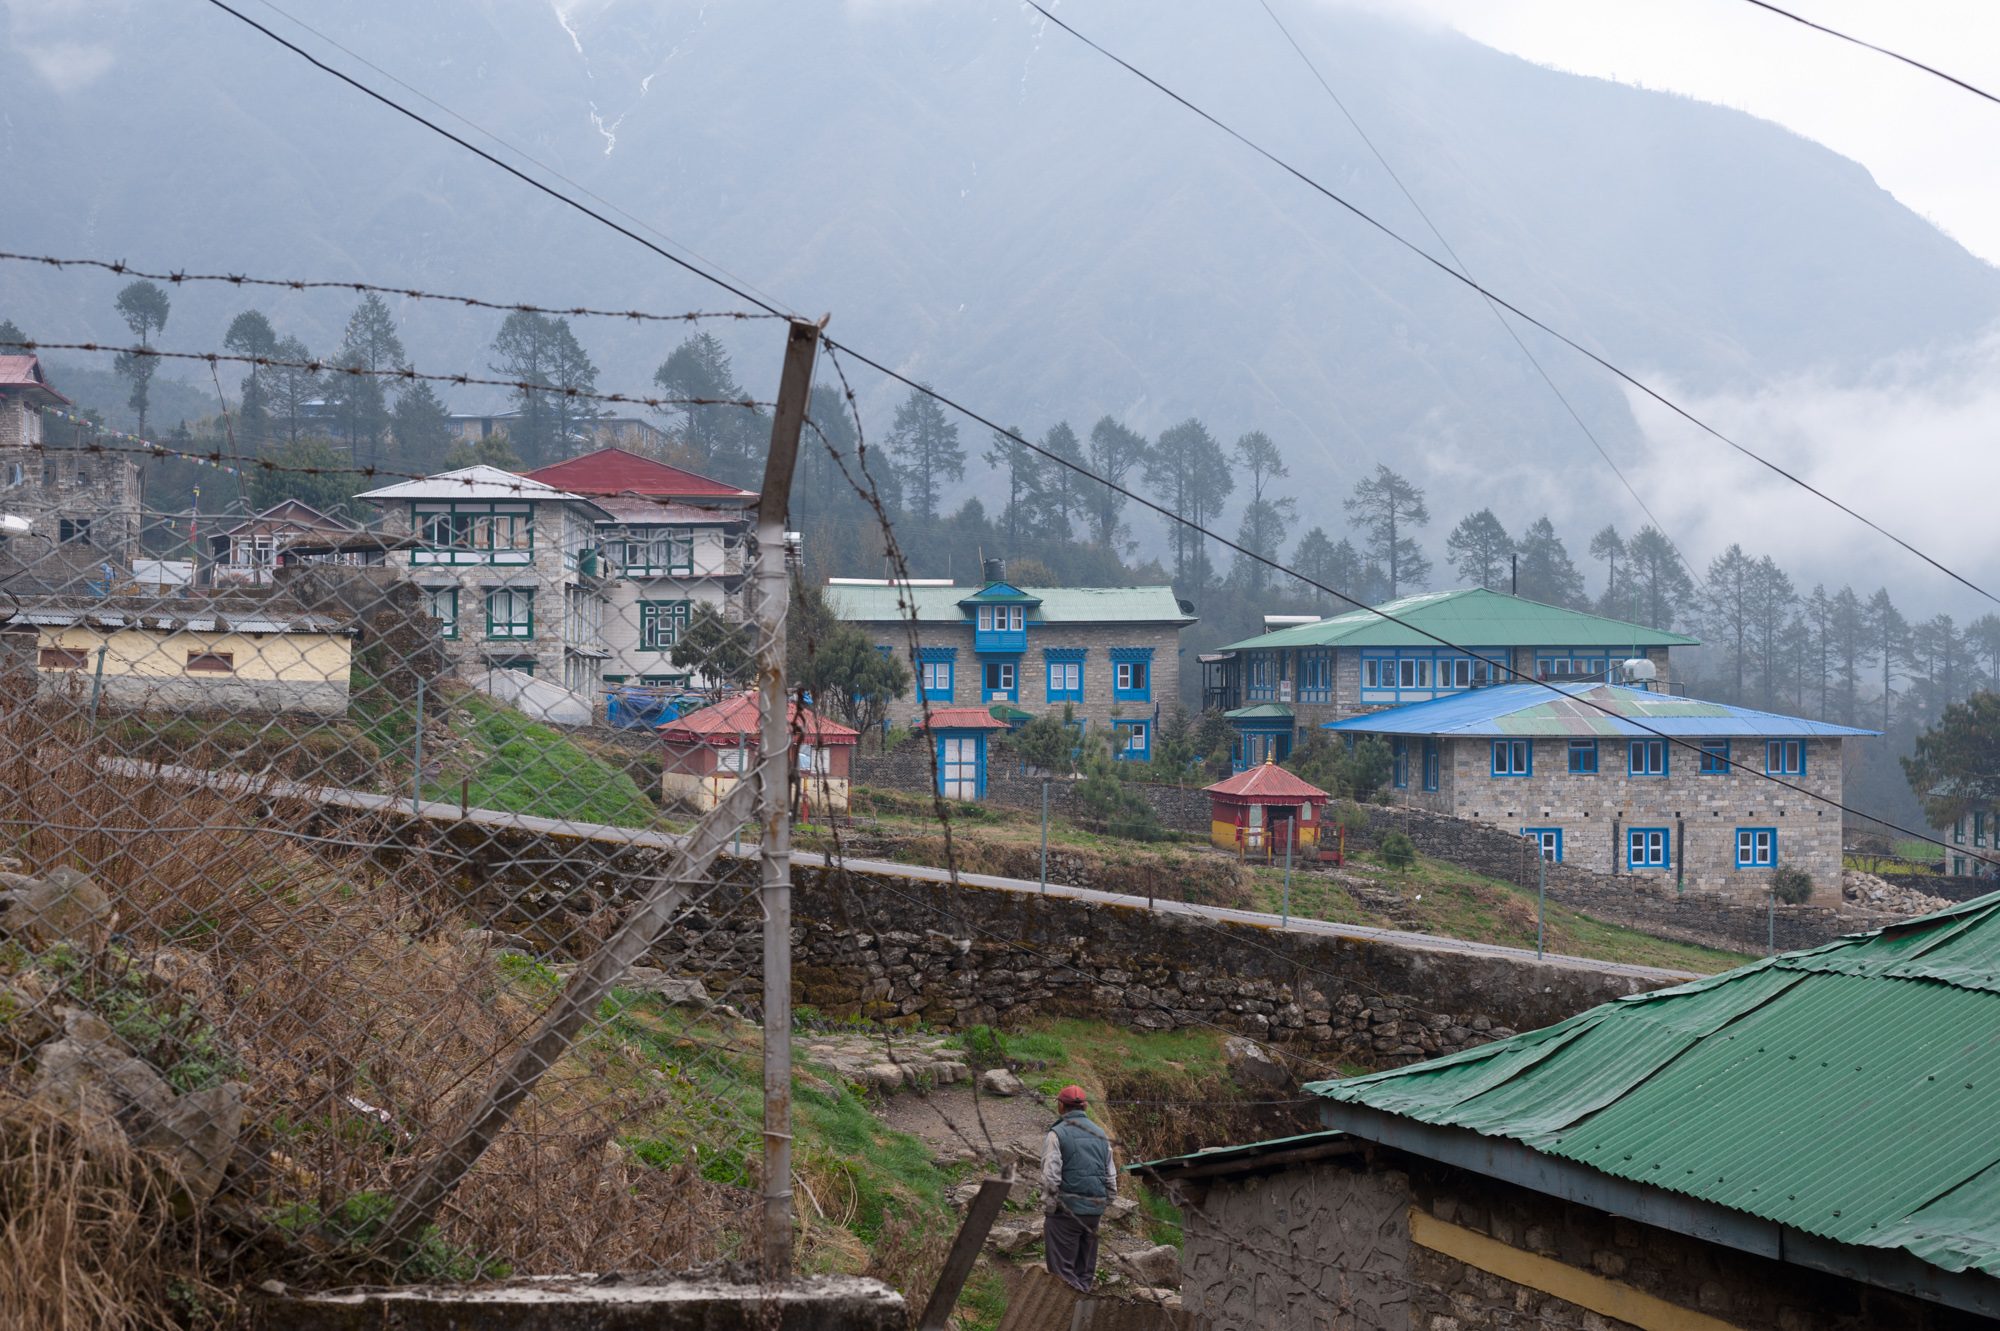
column 541, row 355
column 293, row 385
column 1726, row 612
column 1662, row 587
column 1547, row 573
column 251, row 334
column 1025, row 473
column 729, row 439
column 1982, row 640
column 1389, row 508
column 1848, row 631
column 1608, row 546
column 925, row 452
column 1188, row 471
column 143, row 307
column 1113, row 452
column 1889, row 635
column 1062, row 499
column 10, row 337
column 1265, row 520
column 360, row 400
column 1481, row 550
column 421, row 428
column 1771, row 599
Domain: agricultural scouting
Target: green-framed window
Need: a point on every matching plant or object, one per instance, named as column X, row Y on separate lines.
column 655, row 552
column 442, row 605
column 661, row 624
column 510, row 613
column 468, row 533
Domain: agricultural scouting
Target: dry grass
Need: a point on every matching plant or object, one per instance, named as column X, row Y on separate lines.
column 339, row 990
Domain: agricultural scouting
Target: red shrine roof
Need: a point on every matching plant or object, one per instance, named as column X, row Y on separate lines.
column 722, row 723
column 611, row 471
column 1266, row 783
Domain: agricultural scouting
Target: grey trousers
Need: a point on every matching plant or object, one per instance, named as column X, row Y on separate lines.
column 1070, row 1243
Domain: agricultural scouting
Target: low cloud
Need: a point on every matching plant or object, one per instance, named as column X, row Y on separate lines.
column 1914, row 446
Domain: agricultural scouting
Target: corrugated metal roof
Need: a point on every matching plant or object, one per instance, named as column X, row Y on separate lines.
column 1579, row 710
column 1849, row 1091
column 1059, row 605
column 1472, row 617
column 960, row 718
column 610, row 471
column 722, row 722
column 472, row 483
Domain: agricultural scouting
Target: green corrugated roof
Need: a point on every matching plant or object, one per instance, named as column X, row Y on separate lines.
column 1850, row 1091
column 1474, row 617
column 1059, row 605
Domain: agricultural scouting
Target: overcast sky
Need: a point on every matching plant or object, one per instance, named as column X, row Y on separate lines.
column 1934, row 146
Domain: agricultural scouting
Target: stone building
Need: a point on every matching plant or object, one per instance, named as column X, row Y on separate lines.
column 1804, row 1143
column 1110, row 654
column 508, row 567
column 86, row 503
column 247, row 553
column 669, row 540
column 1621, row 780
column 1276, row 687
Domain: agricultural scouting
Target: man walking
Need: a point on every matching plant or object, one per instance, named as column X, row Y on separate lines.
column 1078, row 1182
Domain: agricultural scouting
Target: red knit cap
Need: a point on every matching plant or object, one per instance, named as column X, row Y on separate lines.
column 1070, row 1095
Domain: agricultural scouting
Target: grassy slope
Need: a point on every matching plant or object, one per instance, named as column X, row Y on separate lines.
column 1436, row 897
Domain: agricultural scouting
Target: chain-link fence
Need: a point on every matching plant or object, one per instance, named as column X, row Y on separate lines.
column 326, row 849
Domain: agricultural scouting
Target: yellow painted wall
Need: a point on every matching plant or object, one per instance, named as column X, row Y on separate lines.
column 291, row 658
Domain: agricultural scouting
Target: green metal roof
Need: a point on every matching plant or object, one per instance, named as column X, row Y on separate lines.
column 1261, row 711
column 1059, row 605
column 1849, row 1091
column 1474, row 617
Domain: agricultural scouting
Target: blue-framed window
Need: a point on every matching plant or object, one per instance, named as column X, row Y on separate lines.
column 1251, row 748
column 999, row 681
column 1649, row 848
column 1000, row 628
column 1785, row 757
column 1431, row 764
column 938, row 681
column 1513, row 757
column 1583, row 757
column 1647, row 757
column 1570, row 665
column 1064, row 675
column 442, row 605
column 1132, row 741
column 1548, row 840
column 1132, row 674
column 1260, row 677
column 1388, row 676
column 1316, row 675
column 1715, row 757
column 1756, row 847
column 1399, row 763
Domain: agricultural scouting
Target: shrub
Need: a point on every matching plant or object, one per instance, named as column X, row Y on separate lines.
column 1398, row 851
column 1791, row 886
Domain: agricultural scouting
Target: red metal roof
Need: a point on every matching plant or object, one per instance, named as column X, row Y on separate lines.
column 1266, row 782
column 611, row 471
column 721, row 723
column 962, row 718
column 25, row 372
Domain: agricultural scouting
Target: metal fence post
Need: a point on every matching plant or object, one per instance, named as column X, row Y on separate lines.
column 417, row 755
column 1045, row 835
column 774, row 793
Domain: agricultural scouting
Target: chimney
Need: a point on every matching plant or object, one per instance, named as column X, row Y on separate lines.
column 1514, row 577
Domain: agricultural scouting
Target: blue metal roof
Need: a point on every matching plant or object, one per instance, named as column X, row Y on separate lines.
column 1581, row 711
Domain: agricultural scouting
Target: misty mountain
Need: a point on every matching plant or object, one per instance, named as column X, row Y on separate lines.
column 984, row 203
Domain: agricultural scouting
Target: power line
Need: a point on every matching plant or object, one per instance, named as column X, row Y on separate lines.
column 124, row 269
column 1508, row 328
column 1505, row 304
column 512, row 170
column 1974, row 89
column 833, row 348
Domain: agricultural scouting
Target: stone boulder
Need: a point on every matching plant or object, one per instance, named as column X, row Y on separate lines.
column 62, row 906
column 1252, row 1065
column 999, row 1081
column 673, row 990
column 1156, row 1268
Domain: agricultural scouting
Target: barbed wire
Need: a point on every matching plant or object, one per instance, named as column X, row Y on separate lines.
column 401, row 373
column 177, row 277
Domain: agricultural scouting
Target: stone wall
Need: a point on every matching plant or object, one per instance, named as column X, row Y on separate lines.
column 1963, row 887
column 1385, row 1237
column 58, row 480
column 1647, row 903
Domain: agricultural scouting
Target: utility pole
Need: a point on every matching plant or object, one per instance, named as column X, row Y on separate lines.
column 774, row 791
